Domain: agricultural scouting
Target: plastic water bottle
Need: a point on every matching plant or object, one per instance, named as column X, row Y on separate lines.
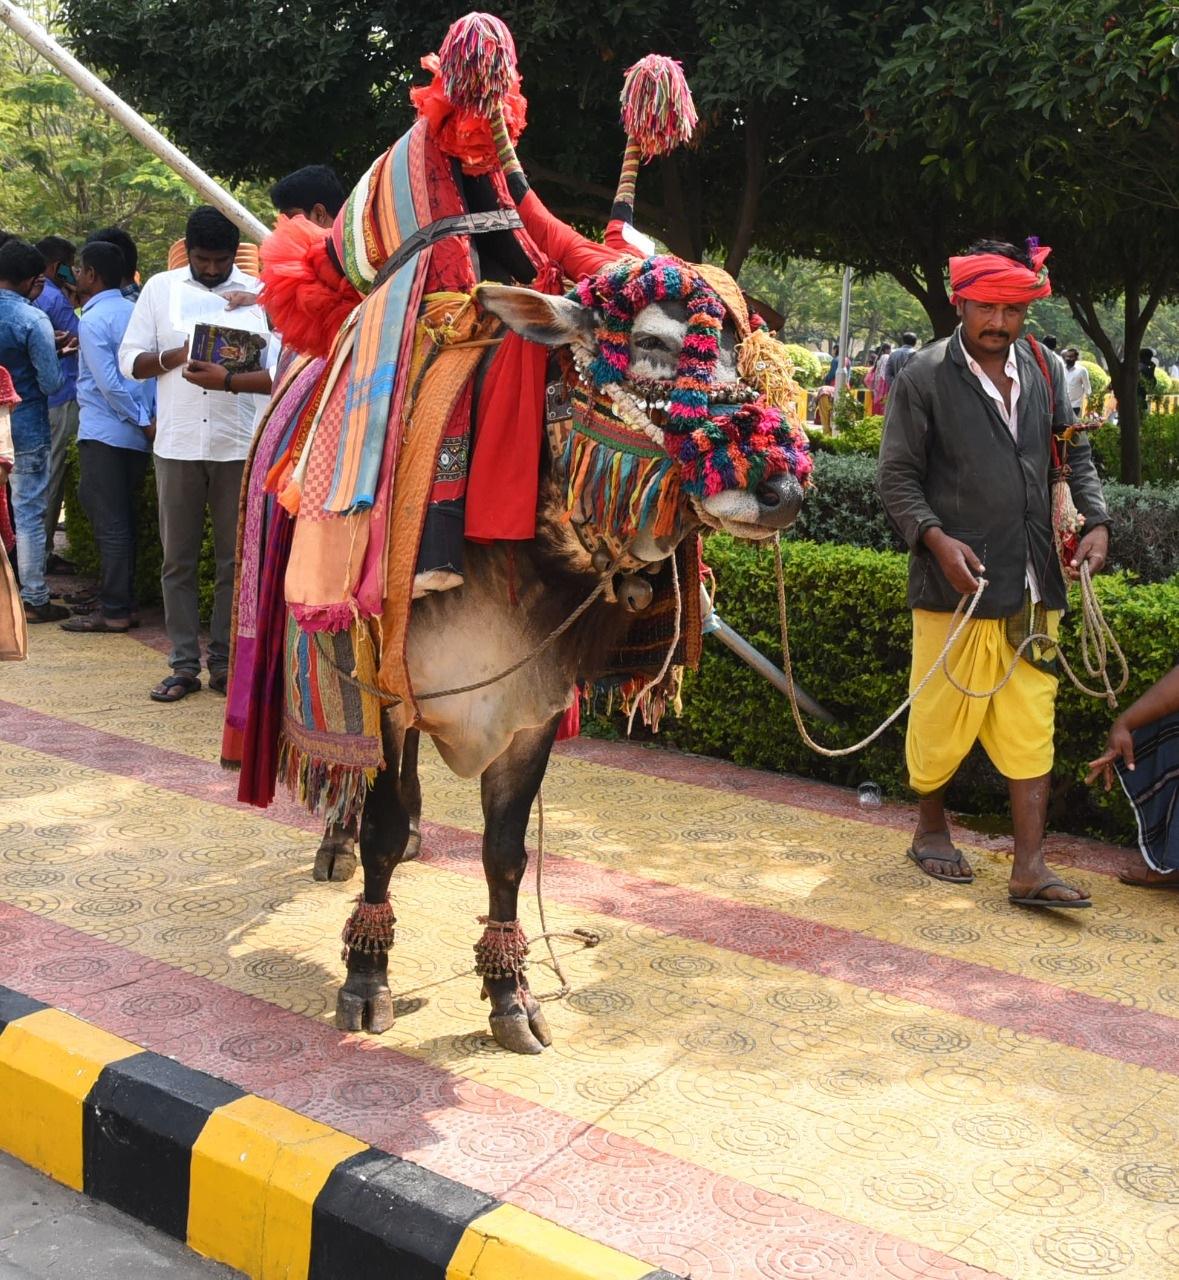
column 869, row 794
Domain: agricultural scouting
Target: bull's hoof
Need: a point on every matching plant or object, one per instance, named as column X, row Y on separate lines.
column 413, row 846
column 513, row 1031
column 537, row 1022
column 373, row 1014
column 335, row 859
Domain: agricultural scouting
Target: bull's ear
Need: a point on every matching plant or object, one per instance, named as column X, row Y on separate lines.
column 540, row 317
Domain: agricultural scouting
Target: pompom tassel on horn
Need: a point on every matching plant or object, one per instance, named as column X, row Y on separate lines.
column 658, row 115
column 477, row 61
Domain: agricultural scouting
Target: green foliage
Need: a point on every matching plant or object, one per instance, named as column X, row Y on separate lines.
column 83, row 550
column 808, row 365
column 856, row 376
column 848, row 412
column 1099, row 385
column 860, row 435
column 850, row 641
column 1160, row 449
column 842, row 506
column 1164, row 384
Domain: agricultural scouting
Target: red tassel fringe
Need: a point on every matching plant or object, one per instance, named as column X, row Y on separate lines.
column 306, row 297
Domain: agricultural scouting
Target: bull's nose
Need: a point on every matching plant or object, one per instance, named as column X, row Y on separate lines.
column 779, row 500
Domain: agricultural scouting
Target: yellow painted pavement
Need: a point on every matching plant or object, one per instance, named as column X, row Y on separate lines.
column 1016, row 1154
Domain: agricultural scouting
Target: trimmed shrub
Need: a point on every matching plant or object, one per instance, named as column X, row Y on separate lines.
column 850, row 638
column 856, row 376
column 842, row 506
column 1159, row 443
column 848, row 412
column 1098, row 386
column 150, row 554
column 809, row 366
column 860, row 436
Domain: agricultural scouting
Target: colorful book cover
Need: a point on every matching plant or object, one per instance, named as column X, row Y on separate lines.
column 233, row 349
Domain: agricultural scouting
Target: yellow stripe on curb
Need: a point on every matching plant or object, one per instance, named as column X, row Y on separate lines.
column 49, row 1062
column 256, row 1171
column 509, row 1243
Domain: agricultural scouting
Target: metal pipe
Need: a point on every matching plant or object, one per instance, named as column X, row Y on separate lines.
column 35, row 35
column 844, row 334
column 714, row 625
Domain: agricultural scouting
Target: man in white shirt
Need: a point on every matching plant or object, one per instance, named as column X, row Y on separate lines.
column 1076, row 380
column 204, row 425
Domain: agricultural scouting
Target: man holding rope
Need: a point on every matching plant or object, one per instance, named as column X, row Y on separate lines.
column 964, row 478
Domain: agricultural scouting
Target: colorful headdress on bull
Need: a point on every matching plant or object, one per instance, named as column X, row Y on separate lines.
column 722, row 435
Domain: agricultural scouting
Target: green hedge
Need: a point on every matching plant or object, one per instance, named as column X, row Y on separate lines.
column 842, row 506
column 1159, row 443
column 83, row 549
column 810, row 367
column 860, row 436
column 850, row 638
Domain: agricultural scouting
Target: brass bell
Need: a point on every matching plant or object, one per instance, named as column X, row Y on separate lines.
column 601, row 559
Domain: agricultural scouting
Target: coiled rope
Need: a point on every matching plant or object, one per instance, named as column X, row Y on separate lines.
column 1097, row 642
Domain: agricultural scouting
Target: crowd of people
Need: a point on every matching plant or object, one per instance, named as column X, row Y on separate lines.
column 95, row 356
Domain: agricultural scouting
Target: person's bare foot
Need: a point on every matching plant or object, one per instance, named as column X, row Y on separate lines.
column 1036, row 882
column 935, row 854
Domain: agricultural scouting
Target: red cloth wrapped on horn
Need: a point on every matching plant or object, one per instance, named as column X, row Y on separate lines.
column 306, row 297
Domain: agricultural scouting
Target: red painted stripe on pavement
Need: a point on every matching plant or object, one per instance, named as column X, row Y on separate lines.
column 977, row 991
column 823, row 797
column 468, row 1131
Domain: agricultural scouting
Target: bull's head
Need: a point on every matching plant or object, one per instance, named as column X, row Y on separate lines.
column 660, row 349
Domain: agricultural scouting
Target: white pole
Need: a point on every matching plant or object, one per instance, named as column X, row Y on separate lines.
column 35, row 35
column 844, row 325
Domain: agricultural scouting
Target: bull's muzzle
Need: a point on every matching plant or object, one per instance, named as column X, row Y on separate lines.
column 779, row 500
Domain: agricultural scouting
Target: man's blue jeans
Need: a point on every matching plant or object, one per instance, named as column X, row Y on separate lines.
column 29, row 484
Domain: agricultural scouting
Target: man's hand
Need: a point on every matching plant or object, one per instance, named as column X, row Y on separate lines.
column 174, row 357
column 205, row 374
column 1093, row 549
column 150, row 431
column 955, row 559
column 1119, row 746
column 239, row 298
column 65, row 342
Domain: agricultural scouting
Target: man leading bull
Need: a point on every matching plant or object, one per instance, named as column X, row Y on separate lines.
column 964, row 478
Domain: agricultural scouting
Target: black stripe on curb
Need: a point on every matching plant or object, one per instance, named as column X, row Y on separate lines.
column 13, row 1005
column 365, row 1214
column 139, row 1122
column 413, row 1219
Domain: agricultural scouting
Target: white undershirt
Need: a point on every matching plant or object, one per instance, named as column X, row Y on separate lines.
column 1010, row 415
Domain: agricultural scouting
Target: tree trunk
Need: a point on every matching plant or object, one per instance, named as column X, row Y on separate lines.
column 755, row 163
column 1125, row 385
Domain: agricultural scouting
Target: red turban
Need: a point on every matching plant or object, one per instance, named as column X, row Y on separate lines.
column 990, row 277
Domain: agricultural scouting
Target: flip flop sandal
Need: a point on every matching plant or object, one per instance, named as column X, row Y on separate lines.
column 1135, row 883
column 173, row 688
column 93, row 624
column 1035, row 900
column 956, row 857
column 219, row 682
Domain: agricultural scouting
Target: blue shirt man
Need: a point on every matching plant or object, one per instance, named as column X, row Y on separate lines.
column 112, row 409
column 64, row 319
column 28, row 352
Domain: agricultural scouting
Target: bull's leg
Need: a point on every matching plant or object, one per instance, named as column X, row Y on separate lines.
column 365, row 1002
column 411, row 793
column 509, row 788
column 335, row 859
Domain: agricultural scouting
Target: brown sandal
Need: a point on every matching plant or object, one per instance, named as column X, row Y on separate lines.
column 173, row 688
column 1034, row 899
column 93, row 624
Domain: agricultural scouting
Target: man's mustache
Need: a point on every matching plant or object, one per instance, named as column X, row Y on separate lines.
column 994, row 333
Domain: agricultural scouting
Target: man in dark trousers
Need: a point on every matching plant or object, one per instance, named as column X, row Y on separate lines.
column 964, row 478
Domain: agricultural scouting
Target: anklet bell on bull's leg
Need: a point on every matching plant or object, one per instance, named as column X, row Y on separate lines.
column 516, row 1020
column 364, row 1002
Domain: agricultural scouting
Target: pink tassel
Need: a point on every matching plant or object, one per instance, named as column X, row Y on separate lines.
column 477, row 62
column 657, row 108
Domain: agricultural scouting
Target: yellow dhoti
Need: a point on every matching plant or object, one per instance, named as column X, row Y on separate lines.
column 1015, row 725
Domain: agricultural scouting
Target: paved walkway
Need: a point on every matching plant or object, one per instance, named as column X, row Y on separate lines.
column 793, row 1055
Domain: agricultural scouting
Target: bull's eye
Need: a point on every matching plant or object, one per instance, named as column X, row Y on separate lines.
column 649, row 342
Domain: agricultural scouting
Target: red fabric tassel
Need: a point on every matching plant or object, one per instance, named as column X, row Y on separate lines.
column 306, row 296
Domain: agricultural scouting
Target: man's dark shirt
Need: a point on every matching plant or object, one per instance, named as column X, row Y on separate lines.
column 897, row 361
column 949, row 459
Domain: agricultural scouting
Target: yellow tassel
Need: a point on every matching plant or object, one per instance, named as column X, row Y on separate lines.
column 763, row 362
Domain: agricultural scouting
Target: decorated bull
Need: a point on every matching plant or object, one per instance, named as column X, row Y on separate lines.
column 470, row 498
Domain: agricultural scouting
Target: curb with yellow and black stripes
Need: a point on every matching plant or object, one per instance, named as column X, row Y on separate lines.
column 250, row 1183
